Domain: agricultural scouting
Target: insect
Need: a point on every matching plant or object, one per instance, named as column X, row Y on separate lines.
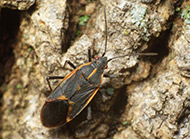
column 76, row 90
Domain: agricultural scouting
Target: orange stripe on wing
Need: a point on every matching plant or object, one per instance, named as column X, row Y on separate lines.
column 85, row 64
column 62, row 98
column 94, row 93
column 70, row 74
column 94, row 71
column 69, row 110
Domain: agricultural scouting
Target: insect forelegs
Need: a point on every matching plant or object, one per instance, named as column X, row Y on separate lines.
column 52, row 78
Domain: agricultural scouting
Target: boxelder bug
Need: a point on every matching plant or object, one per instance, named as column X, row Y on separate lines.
column 76, row 90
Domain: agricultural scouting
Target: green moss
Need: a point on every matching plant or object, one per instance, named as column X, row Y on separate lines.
column 80, row 11
column 78, row 32
column 19, row 86
column 125, row 123
column 83, row 20
column 110, row 91
column 29, row 49
column 178, row 9
column 26, row 36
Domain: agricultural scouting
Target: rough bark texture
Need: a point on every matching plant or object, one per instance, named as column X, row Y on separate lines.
column 17, row 4
column 151, row 96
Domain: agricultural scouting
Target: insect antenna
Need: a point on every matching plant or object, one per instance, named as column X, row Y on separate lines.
column 106, row 36
column 139, row 54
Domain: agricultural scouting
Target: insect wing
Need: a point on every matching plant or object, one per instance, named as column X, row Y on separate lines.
column 55, row 109
column 54, row 113
column 67, row 87
column 81, row 99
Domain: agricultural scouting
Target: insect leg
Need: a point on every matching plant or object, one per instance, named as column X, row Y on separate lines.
column 58, row 77
column 89, row 55
column 71, row 64
column 89, row 113
column 52, row 78
column 109, row 76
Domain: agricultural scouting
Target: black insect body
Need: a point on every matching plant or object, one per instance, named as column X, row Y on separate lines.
column 73, row 93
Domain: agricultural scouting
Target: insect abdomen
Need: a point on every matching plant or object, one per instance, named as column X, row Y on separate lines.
column 54, row 113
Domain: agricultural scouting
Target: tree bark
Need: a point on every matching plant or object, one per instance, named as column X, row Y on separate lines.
column 150, row 96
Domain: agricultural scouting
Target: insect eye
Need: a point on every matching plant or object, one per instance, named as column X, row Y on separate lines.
column 106, row 66
column 96, row 57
